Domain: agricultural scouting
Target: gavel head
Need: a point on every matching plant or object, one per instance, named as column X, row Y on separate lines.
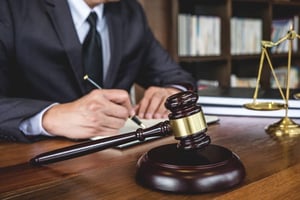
column 187, row 120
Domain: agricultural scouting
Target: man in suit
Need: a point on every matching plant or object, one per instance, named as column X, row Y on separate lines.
column 42, row 90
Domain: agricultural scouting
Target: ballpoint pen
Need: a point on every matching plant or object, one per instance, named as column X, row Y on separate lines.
column 134, row 118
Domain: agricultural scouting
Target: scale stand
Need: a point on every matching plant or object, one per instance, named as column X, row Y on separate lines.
column 285, row 127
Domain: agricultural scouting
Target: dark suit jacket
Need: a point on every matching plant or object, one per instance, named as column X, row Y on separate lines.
column 41, row 63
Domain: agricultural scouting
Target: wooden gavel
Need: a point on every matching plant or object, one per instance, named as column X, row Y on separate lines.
column 186, row 122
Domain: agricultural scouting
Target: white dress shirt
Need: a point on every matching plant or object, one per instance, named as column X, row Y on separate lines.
column 80, row 12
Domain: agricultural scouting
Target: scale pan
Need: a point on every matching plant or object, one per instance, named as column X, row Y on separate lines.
column 265, row 106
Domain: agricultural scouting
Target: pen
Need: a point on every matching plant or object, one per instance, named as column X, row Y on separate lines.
column 134, row 118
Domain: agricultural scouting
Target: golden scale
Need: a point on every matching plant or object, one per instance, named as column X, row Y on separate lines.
column 285, row 127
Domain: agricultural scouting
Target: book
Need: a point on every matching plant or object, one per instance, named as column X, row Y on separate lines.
column 246, row 35
column 281, row 73
column 241, row 111
column 280, row 28
column 231, row 101
column 199, row 35
column 236, row 81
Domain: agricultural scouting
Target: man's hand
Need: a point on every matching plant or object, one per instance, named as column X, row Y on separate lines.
column 101, row 112
column 152, row 105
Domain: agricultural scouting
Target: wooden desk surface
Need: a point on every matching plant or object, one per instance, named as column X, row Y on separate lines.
column 272, row 167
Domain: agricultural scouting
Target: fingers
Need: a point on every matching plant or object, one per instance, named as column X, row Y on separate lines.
column 152, row 104
column 111, row 102
column 151, row 107
column 106, row 126
column 119, row 97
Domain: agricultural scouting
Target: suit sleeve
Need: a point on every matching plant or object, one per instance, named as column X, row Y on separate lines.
column 13, row 110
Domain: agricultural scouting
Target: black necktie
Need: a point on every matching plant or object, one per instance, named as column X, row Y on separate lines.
column 92, row 51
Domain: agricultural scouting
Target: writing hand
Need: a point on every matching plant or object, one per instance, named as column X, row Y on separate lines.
column 101, row 112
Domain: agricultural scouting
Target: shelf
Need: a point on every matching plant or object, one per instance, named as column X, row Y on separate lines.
column 220, row 67
column 245, row 64
column 202, row 58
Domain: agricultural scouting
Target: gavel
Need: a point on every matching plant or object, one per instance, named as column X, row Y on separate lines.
column 186, row 122
column 192, row 165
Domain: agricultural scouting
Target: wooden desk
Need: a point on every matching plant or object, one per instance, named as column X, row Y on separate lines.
column 272, row 167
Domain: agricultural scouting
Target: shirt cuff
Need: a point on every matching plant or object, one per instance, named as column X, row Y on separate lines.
column 178, row 87
column 33, row 125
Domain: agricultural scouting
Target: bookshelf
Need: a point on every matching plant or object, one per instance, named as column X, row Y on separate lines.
column 221, row 66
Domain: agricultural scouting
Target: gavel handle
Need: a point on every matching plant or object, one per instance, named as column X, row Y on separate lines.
column 81, row 149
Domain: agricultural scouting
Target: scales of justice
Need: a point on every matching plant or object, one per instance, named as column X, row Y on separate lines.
column 285, row 127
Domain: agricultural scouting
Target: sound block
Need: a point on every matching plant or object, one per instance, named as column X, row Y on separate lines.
column 167, row 168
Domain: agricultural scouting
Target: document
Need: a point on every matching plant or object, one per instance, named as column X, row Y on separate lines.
column 231, row 101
